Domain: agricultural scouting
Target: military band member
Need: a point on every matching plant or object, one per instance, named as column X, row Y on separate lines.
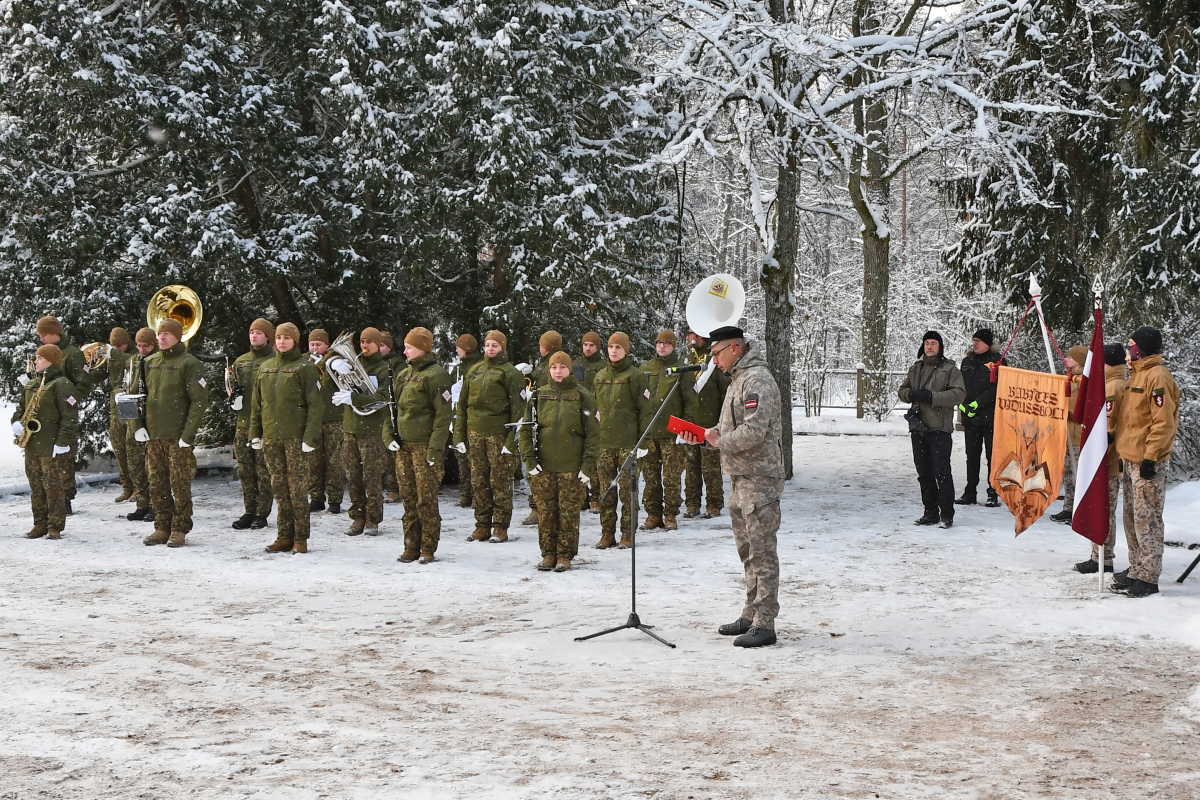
column 558, row 466
column 549, row 344
column 145, row 343
column 50, row 401
column 395, row 363
column 251, row 464
column 363, row 456
column 467, row 348
column 176, row 399
column 118, row 430
column 704, row 463
column 490, row 401
column 1115, row 379
column 286, row 410
column 585, row 369
column 661, row 460
column 327, row 474
column 622, row 398
column 423, row 416
column 50, row 331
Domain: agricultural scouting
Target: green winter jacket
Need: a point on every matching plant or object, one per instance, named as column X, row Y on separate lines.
column 331, row 413
column 568, row 433
column 374, row 423
column 287, row 402
column 176, row 395
column 245, row 372
column 118, row 363
column 73, row 367
column 493, row 396
column 586, row 367
column 57, row 412
column 541, row 373
column 622, row 399
column 682, row 402
column 712, row 396
column 423, row 409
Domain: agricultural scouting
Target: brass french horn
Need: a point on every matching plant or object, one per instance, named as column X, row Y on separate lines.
column 95, row 355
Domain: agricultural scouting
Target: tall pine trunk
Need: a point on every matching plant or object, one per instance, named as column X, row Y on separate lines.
column 777, row 296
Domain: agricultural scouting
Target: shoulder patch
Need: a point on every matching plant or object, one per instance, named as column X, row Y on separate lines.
column 1158, row 392
column 203, row 383
column 71, row 399
column 446, row 395
column 1158, row 400
column 751, row 402
column 647, row 394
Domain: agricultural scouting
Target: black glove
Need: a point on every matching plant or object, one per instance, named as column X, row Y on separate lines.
column 1149, row 470
column 920, row 396
column 1112, row 439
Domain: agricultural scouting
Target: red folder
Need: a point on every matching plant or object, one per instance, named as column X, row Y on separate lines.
column 676, row 425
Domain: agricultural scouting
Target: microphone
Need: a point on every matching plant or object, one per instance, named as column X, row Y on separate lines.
column 688, row 368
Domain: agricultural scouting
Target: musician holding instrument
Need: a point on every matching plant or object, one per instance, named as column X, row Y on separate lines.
column 328, row 477
column 251, row 464
column 363, row 396
column 704, row 463
column 395, row 362
column 111, row 363
column 46, row 426
column 466, row 347
column 131, row 408
column 50, row 330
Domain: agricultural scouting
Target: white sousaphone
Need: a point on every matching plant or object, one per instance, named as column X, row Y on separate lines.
column 717, row 301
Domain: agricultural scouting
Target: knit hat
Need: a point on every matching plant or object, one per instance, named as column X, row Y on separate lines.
column 551, row 341
column 385, row 338
column 47, row 325
column 984, row 335
column 468, row 343
column 931, row 335
column 1148, row 340
column 593, row 337
column 172, row 326
column 497, row 336
column 420, row 338
column 560, row 357
column 1114, row 354
column 318, row 335
column 145, row 336
column 370, row 335
column 666, row 336
column 51, row 353
column 263, row 325
column 118, row 337
column 621, row 339
column 289, row 330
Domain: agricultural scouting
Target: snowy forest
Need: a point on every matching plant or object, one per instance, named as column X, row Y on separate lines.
column 868, row 168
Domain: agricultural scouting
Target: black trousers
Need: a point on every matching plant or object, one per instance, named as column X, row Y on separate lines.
column 931, row 454
column 979, row 440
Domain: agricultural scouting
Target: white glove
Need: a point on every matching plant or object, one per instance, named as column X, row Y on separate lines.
column 430, row 463
column 505, row 451
column 316, row 359
column 141, row 435
column 393, row 445
column 642, row 453
column 536, row 470
column 256, row 444
column 18, row 429
column 304, row 448
column 524, row 368
column 342, row 398
column 461, row 448
column 340, row 366
column 184, row 444
column 59, row 450
column 23, row 380
column 585, row 480
column 236, row 405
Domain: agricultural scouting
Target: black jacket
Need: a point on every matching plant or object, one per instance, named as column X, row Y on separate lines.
column 977, row 378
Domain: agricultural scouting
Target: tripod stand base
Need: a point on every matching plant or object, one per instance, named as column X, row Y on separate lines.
column 632, row 622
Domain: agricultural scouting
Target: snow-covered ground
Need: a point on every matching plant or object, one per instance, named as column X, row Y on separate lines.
column 912, row 663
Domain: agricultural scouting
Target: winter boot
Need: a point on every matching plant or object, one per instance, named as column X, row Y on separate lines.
column 607, row 539
column 300, row 546
column 149, row 515
column 316, row 505
column 993, row 500
column 1121, row 581
column 546, row 564
column 735, row 628
column 1090, row 567
column 70, row 511
column 356, row 527
column 652, row 521
column 595, row 507
column 243, row 522
column 966, row 500
column 137, row 516
column 710, row 512
column 426, row 558
column 532, row 519
column 1141, row 588
column 563, row 564
column 691, row 512
column 176, row 539
column 280, row 545
column 626, row 542
column 480, row 535
column 499, row 535
column 258, row 523
column 669, row 523
column 408, row 556
column 53, row 534
column 1062, row 516
column 38, row 532
column 158, row 537
column 755, row 637
column 927, row 519
column 947, row 522
column 371, row 530
column 334, row 508
column 123, row 496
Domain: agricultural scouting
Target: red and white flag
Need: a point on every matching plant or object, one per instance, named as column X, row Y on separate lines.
column 1090, row 516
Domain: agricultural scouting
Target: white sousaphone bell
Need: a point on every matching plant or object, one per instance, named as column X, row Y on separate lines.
column 717, row 301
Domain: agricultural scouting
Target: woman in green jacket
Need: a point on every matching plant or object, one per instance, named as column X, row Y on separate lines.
column 45, row 424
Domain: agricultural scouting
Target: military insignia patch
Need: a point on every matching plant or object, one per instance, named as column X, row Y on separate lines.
column 203, row 383
column 718, row 288
column 647, row 394
column 1158, row 400
column 71, row 399
column 446, row 395
column 1108, row 404
column 751, row 402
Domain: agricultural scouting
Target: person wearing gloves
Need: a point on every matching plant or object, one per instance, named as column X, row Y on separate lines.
column 491, row 401
column 585, row 368
column 663, row 462
column 251, row 464
column 362, row 436
column 467, row 349
column 74, row 369
column 423, row 416
column 176, row 399
column 559, row 456
column 623, row 405
column 135, row 383
column 114, row 372
column 549, row 343
column 50, row 400
column 328, row 479
column 395, row 362
column 286, row 411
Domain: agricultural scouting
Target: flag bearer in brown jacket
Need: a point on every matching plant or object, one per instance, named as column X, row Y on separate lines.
column 135, row 373
column 1115, row 376
column 327, row 474
column 251, row 463
column 49, row 404
column 285, row 426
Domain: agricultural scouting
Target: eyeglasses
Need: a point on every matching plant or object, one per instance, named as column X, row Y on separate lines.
column 714, row 352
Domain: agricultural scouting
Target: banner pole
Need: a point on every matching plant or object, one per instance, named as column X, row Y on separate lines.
column 1035, row 292
column 1097, row 292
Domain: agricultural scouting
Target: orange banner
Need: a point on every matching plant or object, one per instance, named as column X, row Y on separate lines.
column 1029, row 441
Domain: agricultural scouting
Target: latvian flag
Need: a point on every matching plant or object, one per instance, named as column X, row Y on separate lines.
column 1090, row 517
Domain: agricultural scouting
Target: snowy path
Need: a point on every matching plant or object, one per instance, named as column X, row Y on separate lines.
column 912, row 662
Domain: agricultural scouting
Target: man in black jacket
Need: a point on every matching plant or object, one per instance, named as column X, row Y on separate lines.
column 977, row 412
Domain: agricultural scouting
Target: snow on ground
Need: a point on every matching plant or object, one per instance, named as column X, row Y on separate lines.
column 912, row 663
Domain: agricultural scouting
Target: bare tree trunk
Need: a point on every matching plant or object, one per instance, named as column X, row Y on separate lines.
column 281, row 293
column 777, row 297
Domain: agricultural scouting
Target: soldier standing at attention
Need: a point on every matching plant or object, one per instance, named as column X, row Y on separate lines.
column 467, row 348
column 251, row 464
column 363, row 455
column 395, row 363
column 135, row 383
column 423, row 417
column 568, row 439
column 585, row 369
column 49, row 399
column 622, row 400
column 285, row 426
column 704, row 463
column 118, row 361
column 1115, row 379
column 549, row 344
column 661, row 460
column 176, row 399
column 491, row 399
column 328, row 478
column 73, row 368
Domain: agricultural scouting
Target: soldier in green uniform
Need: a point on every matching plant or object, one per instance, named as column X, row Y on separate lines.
column 363, row 455
column 492, row 398
column 585, row 369
column 176, row 399
column 558, row 465
column 467, row 348
column 622, row 398
column 395, row 363
column 118, row 431
column 135, row 384
column 285, row 426
column 328, row 475
column 423, row 416
column 661, row 459
column 50, row 331
column 704, row 462
column 48, row 403
column 251, row 464
column 549, row 344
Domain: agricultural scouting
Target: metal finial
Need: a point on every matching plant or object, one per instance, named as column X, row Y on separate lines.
column 1035, row 289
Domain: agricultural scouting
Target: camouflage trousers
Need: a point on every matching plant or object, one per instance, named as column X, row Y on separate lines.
column 135, row 456
column 703, row 465
column 1070, row 466
column 662, row 470
column 1114, row 488
column 328, row 476
column 491, row 479
column 419, row 484
column 754, row 512
column 560, row 497
column 288, row 465
column 365, row 460
column 253, row 475
column 117, row 434
column 607, row 464
column 1143, row 515
column 46, row 492
column 464, row 475
column 66, row 469
column 171, row 469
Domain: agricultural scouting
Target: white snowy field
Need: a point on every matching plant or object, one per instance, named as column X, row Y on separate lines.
column 912, row 662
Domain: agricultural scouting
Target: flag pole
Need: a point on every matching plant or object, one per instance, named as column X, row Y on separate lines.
column 1035, row 292
column 1097, row 292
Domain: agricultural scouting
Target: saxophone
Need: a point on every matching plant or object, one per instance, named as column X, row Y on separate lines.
column 29, row 421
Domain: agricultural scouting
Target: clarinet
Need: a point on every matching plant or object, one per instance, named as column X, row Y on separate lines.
column 392, row 404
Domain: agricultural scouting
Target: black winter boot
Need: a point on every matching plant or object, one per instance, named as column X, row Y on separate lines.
column 258, row 522
column 315, row 506
column 735, row 628
column 137, row 516
column 966, row 500
column 1062, row 516
column 1141, row 588
column 1090, row 567
column 929, row 518
column 243, row 522
column 755, row 637
column 993, row 500
column 334, row 508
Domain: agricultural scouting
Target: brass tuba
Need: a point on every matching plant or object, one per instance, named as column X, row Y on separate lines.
column 357, row 379
column 179, row 303
column 95, row 355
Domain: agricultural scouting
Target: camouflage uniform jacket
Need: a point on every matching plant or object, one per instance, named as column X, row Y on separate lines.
column 374, row 423
column 568, row 433
column 287, row 402
column 245, row 373
column 1150, row 412
column 57, row 412
column 709, row 399
column 493, row 395
column 586, row 367
column 623, row 403
column 682, row 402
column 423, row 409
column 176, row 395
column 1114, row 396
column 751, row 427
column 945, row 381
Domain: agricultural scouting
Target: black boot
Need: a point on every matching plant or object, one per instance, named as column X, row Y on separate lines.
column 137, row 516
column 70, row 511
column 243, row 522
column 1141, row 588
column 1062, row 516
column 334, row 508
column 993, row 500
column 315, row 506
column 755, row 637
column 1090, row 567
column 947, row 522
column 930, row 518
column 1121, row 581
column 258, row 522
column 735, row 628
column 149, row 515
column 966, row 500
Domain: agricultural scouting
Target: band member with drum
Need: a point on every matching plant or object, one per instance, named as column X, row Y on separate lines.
column 328, row 477
column 145, row 344
column 45, row 425
column 251, row 463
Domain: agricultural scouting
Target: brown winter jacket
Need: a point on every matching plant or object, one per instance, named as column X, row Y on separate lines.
column 1114, row 396
column 751, row 427
column 1150, row 413
column 945, row 381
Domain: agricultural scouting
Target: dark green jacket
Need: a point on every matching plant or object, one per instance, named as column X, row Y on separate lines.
column 374, row 423
column 114, row 371
column 176, row 395
column 72, row 367
column 245, row 372
column 709, row 399
column 568, row 433
column 423, row 409
column 459, row 371
column 492, row 397
column 332, row 413
column 682, row 402
column 287, row 402
column 586, row 367
column 57, row 412
column 622, row 398
column 133, row 381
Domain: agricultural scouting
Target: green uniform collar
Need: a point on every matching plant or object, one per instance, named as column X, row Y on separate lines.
column 499, row 359
column 620, row 365
column 179, row 349
column 265, row 350
column 291, row 355
column 566, row 384
column 52, row 372
column 374, row 358
column 421, row 363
